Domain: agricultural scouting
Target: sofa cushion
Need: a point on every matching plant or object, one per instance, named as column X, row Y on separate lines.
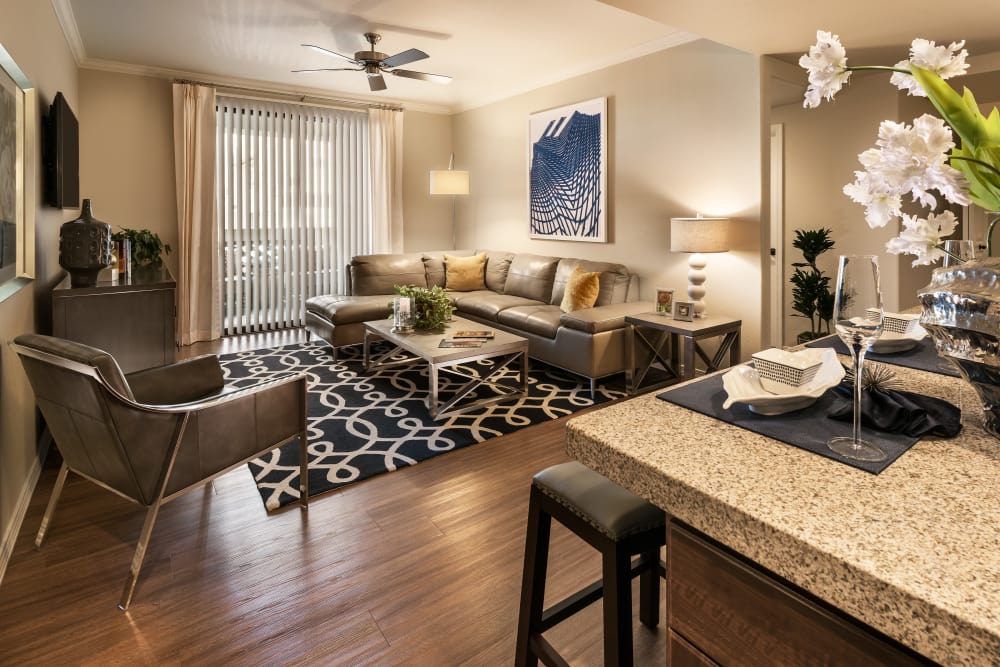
column 434, row 265
column 377, row 274
column 581, row 290
column 603, row 318
column 497, row 268
column 541, row 319
column 350, row 309
column 614, row 280
column 531, row 276
column 487, row 304
column 465, row 274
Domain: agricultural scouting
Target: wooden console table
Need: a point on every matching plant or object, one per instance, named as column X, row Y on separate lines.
column 662, row 339
column 132, row 318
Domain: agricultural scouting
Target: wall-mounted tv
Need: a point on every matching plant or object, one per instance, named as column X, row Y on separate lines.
column 61, row 155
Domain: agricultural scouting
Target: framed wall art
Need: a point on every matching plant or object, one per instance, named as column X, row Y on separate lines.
column 567, row 172
column 18, row 109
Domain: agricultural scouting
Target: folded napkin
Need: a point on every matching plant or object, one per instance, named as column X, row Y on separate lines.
column 904, row 412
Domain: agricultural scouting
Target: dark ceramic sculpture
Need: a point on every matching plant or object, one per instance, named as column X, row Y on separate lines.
column 84, row 247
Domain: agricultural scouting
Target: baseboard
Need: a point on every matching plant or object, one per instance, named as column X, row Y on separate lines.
column 28, row 488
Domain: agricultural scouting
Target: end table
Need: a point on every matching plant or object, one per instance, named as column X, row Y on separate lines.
column 675, row 344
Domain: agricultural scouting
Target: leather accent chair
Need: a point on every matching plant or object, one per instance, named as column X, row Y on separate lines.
column 156, row 434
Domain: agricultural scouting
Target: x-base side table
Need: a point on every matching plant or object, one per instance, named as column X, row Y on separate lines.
column 675, row 345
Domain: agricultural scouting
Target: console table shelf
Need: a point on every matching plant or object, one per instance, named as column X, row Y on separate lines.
column 132, row 318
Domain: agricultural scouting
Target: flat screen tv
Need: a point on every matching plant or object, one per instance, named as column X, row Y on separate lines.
column 62, row 155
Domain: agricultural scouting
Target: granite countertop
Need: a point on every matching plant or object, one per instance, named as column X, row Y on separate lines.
column 913, row 552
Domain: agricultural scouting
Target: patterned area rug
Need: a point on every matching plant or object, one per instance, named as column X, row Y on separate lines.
column 361, row 425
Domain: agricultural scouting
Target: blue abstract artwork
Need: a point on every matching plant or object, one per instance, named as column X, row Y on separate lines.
column 566, row 175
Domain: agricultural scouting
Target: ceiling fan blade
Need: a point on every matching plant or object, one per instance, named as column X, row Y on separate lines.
column 328, row 52
column 423, row 76
column 376, row 83
column 329, row 69
column 404, row 57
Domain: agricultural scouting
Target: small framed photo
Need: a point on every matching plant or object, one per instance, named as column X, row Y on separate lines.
column 684, row 311
column 665, row 301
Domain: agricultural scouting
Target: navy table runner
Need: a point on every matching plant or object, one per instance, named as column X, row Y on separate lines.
column 923, row 357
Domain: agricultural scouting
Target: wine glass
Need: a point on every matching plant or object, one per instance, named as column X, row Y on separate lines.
column 958, row 252
column 857, row 313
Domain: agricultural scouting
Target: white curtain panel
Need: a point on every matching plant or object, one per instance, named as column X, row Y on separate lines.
column 385, row 130
column 198, row 310
column 295, row 204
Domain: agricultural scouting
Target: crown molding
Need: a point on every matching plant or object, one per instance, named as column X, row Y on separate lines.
column 263, row 87
column 67, row 20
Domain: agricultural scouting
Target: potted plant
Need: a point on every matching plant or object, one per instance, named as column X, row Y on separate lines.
column 146, row 246
column 811, row 293
column 431, row 306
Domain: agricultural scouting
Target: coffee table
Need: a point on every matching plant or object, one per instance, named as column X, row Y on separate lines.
column 503, row 349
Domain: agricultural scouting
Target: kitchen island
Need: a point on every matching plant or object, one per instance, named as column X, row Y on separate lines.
column 912, row 553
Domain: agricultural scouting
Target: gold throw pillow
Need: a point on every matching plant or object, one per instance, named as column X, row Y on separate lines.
column 464, row 274
column 581, row 290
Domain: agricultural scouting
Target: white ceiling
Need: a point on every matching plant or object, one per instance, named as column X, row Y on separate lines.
column 492, row 48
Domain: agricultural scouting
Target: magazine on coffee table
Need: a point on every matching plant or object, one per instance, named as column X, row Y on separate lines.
column 485, row 333
column 467, row 342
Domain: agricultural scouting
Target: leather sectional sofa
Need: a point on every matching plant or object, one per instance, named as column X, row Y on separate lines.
column 523, row 295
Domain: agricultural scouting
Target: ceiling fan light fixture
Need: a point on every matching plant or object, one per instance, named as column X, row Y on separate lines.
column 374, row 63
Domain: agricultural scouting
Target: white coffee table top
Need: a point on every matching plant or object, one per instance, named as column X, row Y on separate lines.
column 424, row 344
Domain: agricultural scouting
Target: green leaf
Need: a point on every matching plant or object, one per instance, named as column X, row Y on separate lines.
column 967, row 122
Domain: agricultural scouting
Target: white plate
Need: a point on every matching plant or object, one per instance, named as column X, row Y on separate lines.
column 742, row 385
column 891, row 343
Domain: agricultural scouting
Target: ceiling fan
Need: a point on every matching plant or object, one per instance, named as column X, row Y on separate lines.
column 374, row 64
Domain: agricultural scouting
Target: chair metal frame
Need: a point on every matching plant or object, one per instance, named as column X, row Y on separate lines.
column 184, row 412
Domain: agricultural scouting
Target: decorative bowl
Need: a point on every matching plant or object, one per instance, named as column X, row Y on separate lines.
column 784, row 372
column 742, row 385
column 891, row 342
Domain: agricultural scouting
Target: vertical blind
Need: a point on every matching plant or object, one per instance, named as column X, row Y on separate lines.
column 294, row 205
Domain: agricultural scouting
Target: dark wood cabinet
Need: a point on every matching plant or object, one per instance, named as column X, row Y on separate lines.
column 132, row 319
column 725, row 610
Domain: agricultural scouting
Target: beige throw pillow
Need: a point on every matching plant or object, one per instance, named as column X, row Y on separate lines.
column 464, row 274
column 581, row 290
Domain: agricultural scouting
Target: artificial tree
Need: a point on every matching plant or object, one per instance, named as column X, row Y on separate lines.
column 811, row 293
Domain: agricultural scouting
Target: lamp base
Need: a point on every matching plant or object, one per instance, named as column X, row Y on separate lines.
column 696, row 280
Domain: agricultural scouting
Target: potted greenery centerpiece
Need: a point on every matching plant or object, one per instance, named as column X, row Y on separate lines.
column 431, row 307
column 811, row 294
column 147, row 247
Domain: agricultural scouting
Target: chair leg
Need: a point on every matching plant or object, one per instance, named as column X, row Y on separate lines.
column 536, row 556
column 140, row 554
column 303, row 470
column 51, row 507
column 617, row 568
column 649, row 589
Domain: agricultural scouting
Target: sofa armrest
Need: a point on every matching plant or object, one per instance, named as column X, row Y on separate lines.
column 604, row 318
column 181, row 382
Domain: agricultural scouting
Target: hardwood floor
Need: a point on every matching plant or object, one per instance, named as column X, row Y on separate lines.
column 417, row 567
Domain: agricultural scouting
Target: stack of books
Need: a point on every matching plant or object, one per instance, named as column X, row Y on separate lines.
column 467, row 338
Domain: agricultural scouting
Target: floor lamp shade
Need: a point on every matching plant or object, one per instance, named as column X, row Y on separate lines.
column 697, row 236
column 449, row 182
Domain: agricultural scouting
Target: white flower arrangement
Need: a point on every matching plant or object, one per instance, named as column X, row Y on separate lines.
column 919, row 158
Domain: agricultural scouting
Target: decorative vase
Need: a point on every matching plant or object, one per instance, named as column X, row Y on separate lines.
column 961, row 312
column 84, row 247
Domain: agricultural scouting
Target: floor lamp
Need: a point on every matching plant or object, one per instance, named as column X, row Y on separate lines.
column 698, row 236
column 451, row 182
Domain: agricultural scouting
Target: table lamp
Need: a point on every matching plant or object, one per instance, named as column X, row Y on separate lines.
column 698, row 236
column 450, row 182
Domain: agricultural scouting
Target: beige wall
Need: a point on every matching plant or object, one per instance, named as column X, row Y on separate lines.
column 683, row 137
column 426, row 146
column 36, row 43
column 127, row 153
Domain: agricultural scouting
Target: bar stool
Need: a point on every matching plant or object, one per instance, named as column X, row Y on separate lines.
column 614, row 521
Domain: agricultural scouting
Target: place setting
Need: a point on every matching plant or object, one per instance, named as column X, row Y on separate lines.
column 807, row 398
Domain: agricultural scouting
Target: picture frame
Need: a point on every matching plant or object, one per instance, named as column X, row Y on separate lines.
column 567, row 172
column 664, row 301
column 18, row 108
column 684, row 311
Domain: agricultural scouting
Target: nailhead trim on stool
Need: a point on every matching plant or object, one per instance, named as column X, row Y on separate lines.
column 614, row 521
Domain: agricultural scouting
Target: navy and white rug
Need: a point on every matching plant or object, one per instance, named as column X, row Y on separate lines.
column 361, row 424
